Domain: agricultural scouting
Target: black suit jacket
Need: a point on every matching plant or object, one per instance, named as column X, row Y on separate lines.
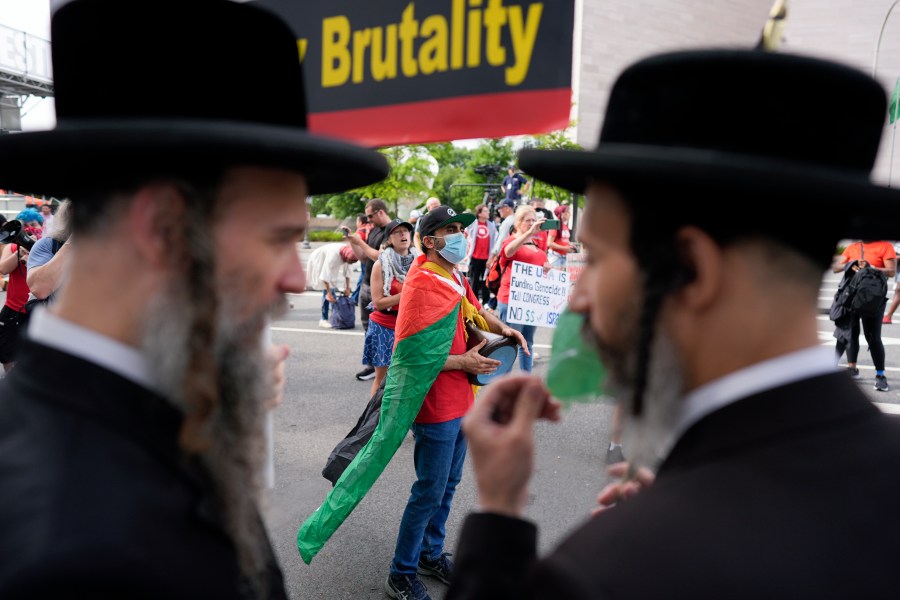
column 792, row 493
column 96, row 498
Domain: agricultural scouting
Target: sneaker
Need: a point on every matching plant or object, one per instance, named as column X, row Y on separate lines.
column 440, row 568
column 881, row 383
column 366, row 374
column 886, row 320
column 405, row 587
column 535, row 357
column 325, row 324
column 614, row 454
column 854, row 372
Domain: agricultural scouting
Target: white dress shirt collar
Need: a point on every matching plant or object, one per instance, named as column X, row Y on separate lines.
column 769, row 374
column 50, row 330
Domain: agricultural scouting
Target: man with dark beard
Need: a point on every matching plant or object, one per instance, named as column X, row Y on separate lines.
column 776, row 477
column 131, row 429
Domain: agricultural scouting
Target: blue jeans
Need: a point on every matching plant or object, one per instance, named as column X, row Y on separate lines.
column 362, row 275
column 325, row 305
column 439, row 455
column 502, row 310
column 525, row 360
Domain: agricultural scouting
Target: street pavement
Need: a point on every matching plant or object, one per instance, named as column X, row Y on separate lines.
column 322, row 403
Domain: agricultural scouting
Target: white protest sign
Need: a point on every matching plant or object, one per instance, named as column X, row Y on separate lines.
column 536, row 296
column 575, row 264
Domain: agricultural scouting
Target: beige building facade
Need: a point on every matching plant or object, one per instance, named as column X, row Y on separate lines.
column 610, row 34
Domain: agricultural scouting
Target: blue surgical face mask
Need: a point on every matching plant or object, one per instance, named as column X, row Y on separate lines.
column 455, row 247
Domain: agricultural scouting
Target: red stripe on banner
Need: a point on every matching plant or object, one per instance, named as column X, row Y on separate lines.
column 481, row 116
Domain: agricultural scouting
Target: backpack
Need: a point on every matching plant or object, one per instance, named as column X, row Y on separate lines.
column 866, row 292
column 862, row 293
column 343, row 313
column 495, row 276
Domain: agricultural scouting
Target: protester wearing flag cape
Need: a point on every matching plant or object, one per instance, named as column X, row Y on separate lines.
column 427, row 388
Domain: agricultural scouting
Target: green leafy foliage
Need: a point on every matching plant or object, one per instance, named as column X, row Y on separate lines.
column 556, row 140
column 446, row 171
column 325, row 236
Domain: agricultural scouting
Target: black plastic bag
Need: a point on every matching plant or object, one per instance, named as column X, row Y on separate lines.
column 347, row 449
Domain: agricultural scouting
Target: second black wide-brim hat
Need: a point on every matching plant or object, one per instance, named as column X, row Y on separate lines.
column 171, row 87
column 796, row 135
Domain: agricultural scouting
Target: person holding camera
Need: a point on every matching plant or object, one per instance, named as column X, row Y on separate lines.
column 14, row 262
column 559, row 240
column 514, row 184
column 521, row 246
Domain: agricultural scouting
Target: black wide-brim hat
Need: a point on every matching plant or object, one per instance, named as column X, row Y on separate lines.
column 793, row 136
column 152, row 88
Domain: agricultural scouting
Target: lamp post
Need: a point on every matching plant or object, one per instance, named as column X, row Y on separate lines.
column 874, row 71
column 880, row 34
column 305, row 245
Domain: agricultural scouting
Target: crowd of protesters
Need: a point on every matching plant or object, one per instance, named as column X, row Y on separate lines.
column 133, row 419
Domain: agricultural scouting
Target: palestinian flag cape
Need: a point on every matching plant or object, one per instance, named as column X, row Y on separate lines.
column 426, row 325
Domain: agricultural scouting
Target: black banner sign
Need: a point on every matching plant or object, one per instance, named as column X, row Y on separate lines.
column 390, row 72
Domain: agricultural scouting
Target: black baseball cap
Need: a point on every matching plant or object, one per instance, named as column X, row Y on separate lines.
column 390, row 227
column 508, row 203
column 440, row 217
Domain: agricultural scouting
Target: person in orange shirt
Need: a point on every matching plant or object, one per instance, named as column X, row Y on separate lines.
column 880, row 255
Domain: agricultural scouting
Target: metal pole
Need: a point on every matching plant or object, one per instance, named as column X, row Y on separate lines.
column 305, row 245
column 875, row 71
column 891, row 164
column 880, row 34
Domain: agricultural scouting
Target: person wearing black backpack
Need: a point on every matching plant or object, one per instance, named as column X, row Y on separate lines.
column 879, row 256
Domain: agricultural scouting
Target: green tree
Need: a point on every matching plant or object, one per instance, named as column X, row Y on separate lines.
column 452, row 163
column 341, row 205
column 555, row 140
column 410, row 177
column 485, row 164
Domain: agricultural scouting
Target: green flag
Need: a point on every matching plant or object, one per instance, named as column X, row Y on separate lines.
column 894, row 109
column 426, row 326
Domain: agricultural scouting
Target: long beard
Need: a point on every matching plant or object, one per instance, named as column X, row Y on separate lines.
column 646, row 437
column 235, row 431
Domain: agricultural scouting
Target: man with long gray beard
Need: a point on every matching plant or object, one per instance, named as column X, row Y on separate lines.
column 775, row 476
column 131, row 433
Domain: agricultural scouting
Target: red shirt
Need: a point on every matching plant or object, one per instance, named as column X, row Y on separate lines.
column 363, row 231
column 388, row 319
column 875, row 252
column 17, row 290
column 561, row 237
column 482, row 242
column 527, row 253
column 540, row 239
column 451, row 395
